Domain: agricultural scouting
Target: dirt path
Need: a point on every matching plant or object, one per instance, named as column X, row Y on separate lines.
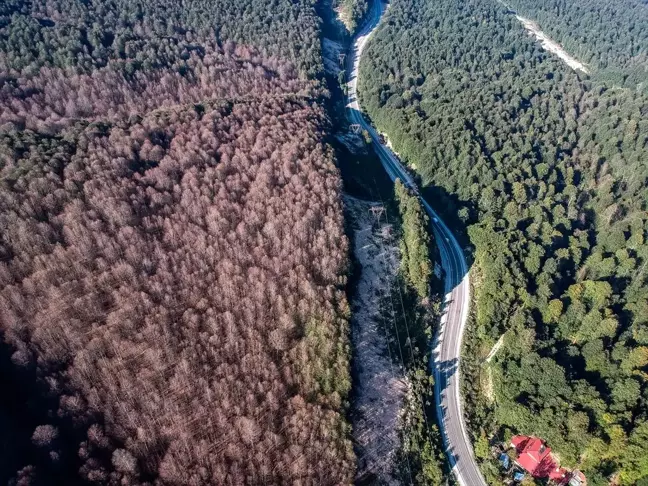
column 552, row 46
column 495, row 348
column 548, row 44
column 380, row 386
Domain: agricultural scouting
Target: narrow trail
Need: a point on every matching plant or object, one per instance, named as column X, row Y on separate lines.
column 495, row 348
column 548, row 44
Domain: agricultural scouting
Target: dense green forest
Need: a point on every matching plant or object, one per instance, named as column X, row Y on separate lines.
column 611, row 37
column 144, row 34
column 547, row 170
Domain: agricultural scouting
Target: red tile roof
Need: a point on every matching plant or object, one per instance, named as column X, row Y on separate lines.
column 536, row 458
column 533, row 455
column 560, row 475
column 518, row 441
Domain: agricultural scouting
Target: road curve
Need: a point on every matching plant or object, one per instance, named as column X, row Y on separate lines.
column 445, row 356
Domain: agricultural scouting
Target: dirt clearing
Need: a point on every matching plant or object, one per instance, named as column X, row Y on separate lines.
column 380, row 385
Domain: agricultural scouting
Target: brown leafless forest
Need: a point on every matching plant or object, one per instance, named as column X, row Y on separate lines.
column 55, row 97
column 172, row 264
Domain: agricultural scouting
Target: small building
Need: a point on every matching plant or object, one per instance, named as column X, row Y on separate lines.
column 535, row 457
column 559, row 475
column 577, row 478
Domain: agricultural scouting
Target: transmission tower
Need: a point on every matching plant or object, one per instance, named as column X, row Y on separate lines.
column 377, row 211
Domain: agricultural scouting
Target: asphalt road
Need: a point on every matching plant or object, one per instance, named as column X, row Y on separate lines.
column 446, row 352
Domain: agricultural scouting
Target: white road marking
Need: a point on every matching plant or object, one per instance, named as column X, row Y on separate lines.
column 447, row 342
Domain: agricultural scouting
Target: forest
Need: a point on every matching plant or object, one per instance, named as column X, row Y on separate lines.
column 353, row 12
column 172, row 252
column 418, row 291
column 611, row 37
column 143, row 34
column 546, row 170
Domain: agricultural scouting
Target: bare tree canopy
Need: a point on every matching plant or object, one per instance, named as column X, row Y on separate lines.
column 172, row 253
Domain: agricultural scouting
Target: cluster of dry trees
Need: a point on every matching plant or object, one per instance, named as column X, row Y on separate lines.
column 55, row 98
column 172, row 262
column 176, row 282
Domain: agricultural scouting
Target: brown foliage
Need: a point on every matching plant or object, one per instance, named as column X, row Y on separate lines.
column 54, row 98
column 44, row 435
column 174, row 279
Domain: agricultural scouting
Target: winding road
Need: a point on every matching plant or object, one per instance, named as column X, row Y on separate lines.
column 445, row 356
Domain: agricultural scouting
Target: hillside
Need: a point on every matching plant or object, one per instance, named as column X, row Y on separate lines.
column 610, row 36
column 172, row 253
column 545, row 169
column 142, row 34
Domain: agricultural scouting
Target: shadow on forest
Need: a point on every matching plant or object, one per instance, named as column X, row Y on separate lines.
column 362, row 174
column 447, row 205
column 24, row 405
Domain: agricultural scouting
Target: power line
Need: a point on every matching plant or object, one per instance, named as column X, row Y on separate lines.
column 400, row 292
column 393, row 316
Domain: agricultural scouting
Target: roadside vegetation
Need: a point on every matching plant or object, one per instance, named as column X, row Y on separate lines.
column 411, row 313
column 352, row 12
column 546, row 168
column 416, row 242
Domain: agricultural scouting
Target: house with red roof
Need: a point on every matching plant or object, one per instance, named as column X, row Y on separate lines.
column 535, row 457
